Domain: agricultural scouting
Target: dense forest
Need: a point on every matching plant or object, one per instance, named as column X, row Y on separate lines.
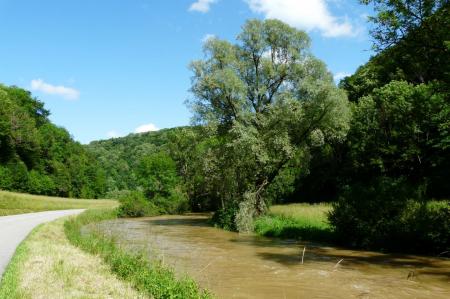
column 40, row 158
column 271, row 126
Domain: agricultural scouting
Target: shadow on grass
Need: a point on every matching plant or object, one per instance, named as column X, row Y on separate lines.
column 302, row 233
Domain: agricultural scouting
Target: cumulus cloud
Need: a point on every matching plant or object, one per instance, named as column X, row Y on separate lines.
column 66, row 92
column 304, row 14
column 201, row 5
column 146, row 128
column 340, row 75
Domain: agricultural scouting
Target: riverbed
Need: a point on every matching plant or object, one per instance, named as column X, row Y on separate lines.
column 233, row 265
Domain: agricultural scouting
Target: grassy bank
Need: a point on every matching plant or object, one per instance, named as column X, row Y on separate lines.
column 46, row 265
column 298, row 221
column 148, row 277
column 18, row 203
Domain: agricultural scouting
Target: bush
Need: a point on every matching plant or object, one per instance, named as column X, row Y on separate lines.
column 175, row 203
column 425, row 227
column 226, row 217
column 136, row 205
column 40, row 184
column 6, row 181
column 389, row 214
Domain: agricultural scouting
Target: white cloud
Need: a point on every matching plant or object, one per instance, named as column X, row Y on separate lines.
column 207, row 37
column 146, row 128
column 113, row 134
column 66, row 92
column 340, row 75
column 201, row 5
column 304, row 14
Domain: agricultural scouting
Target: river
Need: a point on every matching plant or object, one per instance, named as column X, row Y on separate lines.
column 233, row 265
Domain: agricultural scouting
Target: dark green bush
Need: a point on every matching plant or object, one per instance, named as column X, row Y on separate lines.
column 175, row 203
column 136, row 205
column 389, row 214
column 226, row 217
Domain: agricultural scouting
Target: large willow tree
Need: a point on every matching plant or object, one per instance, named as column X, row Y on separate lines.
column 267, row 101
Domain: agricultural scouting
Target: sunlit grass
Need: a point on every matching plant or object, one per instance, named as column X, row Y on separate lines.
column 314, row 215
column 298, row 221
column 17, row 203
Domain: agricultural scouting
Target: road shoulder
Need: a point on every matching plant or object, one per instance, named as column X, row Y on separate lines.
column 46, row 265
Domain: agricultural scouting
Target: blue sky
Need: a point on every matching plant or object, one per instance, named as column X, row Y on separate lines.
column 112, row 67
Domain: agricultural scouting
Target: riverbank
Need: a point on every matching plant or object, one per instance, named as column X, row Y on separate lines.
column 149, row 277
column 46, row 265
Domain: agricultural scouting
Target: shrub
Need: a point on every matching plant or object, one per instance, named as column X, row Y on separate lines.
column 389, row 214
column 226, row 217
column 6, row 181
column 40, row 184
column 175, row 203
column 136, row 205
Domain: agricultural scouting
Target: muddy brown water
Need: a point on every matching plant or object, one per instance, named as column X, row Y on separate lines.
column 233, row 265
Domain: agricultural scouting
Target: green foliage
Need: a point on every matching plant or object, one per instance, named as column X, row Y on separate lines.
column 280, row 226
column 397, row 156
column 135, row 204
column 401, row 130
column 397, row 19
column 297, row 221
column 157, row 175
column 38, row 157
column 266, row 100
column 149, row 277
column 120, row 157
column 390, row 214
column 226, row 217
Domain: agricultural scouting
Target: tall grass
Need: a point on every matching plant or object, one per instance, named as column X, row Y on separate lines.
column 149, row 277
column 297, row 221
column 17, row 203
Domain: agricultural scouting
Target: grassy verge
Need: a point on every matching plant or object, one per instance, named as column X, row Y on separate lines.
column 297, row 221
column 10, row 282
column 148, row 277
column 17, row 203
column 46, row 265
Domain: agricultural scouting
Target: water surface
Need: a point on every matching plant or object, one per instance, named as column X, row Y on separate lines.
column 233, row 265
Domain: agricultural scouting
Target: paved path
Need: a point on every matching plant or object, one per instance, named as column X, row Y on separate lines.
column 14, row 229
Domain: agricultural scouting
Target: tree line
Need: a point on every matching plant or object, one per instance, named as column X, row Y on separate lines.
column 40, row 158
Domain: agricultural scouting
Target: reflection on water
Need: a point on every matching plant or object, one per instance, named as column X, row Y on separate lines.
column 246, row 266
